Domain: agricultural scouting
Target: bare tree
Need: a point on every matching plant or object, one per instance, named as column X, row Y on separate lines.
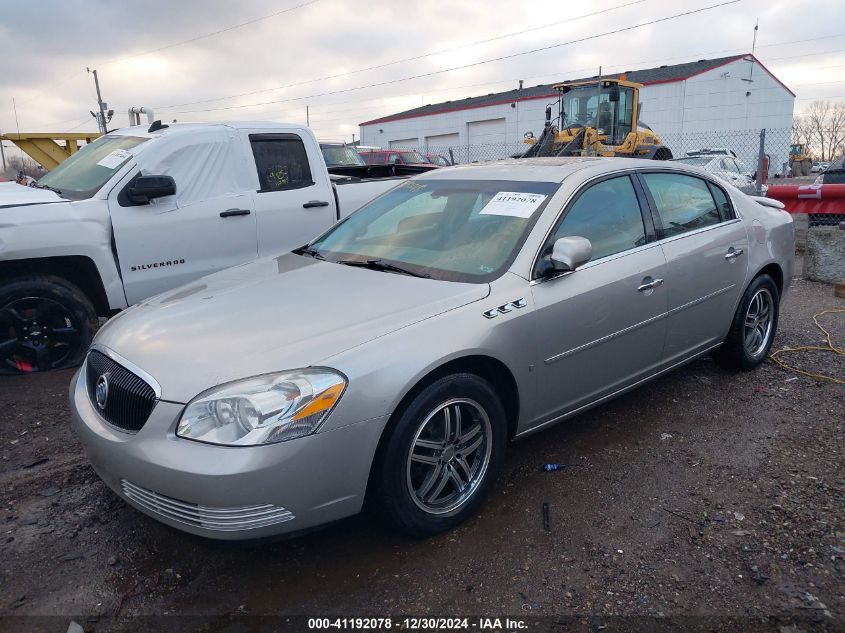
column 825, row 129
column 25, row 164
column 801, row 132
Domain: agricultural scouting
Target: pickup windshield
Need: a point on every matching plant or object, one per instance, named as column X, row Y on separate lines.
column 340, row 155
column 82, row 175
column 452, row 230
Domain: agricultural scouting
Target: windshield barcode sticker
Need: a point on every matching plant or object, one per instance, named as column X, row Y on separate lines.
column 513, row 203
column 114, row 159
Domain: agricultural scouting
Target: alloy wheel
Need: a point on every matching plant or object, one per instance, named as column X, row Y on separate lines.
column 37, row 334
column 449, row 456
column 758, row 323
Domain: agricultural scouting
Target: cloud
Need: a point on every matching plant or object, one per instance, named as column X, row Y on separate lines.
column 45, row 54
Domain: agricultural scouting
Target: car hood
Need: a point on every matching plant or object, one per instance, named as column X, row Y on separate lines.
column 12, row 194
column 270, row 315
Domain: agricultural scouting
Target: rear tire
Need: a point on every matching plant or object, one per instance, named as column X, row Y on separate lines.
column 456, row 431
column 753, row 328
column 45, row 323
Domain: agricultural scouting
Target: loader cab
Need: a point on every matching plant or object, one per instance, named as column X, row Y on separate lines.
column 609, row 106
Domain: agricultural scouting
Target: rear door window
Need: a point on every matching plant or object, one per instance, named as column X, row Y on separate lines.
column 684, row 203
column 722, row 202
column 281, row 161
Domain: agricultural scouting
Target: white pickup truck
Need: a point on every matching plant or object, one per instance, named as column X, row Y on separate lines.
column 144, row 209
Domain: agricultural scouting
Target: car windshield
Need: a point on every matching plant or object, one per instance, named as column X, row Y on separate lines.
column 693, row 160
column 412, row 158
column 336, row 155
column 454, row 230
column 82, row 175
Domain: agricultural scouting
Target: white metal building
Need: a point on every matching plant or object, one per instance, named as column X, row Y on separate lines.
column 722, row 102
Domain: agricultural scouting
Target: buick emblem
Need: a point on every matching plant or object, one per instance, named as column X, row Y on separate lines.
column 101, row 391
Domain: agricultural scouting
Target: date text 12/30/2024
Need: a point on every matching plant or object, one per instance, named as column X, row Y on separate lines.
column 417, row 624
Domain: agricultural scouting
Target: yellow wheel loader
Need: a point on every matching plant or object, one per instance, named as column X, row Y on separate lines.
column 800, row 162
column 597, row 118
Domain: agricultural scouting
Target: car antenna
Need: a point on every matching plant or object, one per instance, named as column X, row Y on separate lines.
column 156, row 126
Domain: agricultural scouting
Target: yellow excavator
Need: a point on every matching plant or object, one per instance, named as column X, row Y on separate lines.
column 597, row 118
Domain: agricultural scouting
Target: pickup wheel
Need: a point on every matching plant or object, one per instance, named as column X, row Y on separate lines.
column 442, row 455
column 45, row 323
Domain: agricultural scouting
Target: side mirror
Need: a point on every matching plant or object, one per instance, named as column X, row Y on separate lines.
column 568, row 253
column 145, row 188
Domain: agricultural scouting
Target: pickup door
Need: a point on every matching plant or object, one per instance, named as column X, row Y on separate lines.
column 294, row 201
column 167, row 243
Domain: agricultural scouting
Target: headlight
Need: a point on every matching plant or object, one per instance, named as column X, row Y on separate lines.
column 264, row 409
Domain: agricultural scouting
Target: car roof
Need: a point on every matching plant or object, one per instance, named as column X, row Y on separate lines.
column 554, row 169
column 528, row 169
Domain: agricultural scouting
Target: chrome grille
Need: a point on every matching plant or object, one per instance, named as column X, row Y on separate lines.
column 209, row 518
column 130, row 399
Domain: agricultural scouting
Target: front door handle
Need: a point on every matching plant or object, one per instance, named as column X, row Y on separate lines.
column 315, row 203
column 228, row 213
column 649, row 285
column 733, row 253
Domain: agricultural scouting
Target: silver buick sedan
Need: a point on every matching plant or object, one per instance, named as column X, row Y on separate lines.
column 395, row 356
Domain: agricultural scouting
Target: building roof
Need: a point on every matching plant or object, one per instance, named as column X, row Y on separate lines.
column 646, row 76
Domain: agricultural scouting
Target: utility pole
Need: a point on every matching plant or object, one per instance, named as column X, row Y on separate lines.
column 101, row 119
column 753, row 48
column 3, row 154
column 307, row 117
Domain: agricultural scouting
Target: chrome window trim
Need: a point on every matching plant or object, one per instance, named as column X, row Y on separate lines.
column 120, row 360
column 703, row 229
column 617, row 173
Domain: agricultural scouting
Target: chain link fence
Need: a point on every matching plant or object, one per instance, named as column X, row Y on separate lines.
column 741, row 149
column 740, row 157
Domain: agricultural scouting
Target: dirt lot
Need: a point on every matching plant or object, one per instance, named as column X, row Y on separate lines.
column 706, row 493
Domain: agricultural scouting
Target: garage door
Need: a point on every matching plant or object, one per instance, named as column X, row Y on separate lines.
column 486, row 139
column 402, row 143
column 441, row 141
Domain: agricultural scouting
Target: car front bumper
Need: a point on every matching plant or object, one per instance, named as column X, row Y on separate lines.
column 228, row 493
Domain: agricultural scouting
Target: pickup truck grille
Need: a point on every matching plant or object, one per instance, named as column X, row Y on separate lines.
column 128, row 399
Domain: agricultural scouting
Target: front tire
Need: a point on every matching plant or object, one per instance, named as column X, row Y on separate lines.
column 442, row 455
column 45, row 323
column 753, row 328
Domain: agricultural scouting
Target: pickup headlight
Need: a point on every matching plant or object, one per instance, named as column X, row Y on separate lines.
column 263, row 410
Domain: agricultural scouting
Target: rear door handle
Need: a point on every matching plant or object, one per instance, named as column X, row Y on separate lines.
column 228, row 213
column 315, row 203
column 650, row 285
column 733, row 253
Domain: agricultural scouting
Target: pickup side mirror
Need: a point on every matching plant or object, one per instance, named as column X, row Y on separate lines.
column 145, row 188
column 568, row 253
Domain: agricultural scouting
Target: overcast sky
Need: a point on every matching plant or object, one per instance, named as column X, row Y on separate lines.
column 163, row 53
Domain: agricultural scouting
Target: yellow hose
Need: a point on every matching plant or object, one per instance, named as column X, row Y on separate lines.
column 830, row 348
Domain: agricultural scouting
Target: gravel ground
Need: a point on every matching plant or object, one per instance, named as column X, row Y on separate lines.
column 706, row 494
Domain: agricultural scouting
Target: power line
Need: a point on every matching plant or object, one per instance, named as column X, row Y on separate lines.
column 328, row 77
column 206, row 35
column 505, row 81
column 406, row 59
column 470, row 65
